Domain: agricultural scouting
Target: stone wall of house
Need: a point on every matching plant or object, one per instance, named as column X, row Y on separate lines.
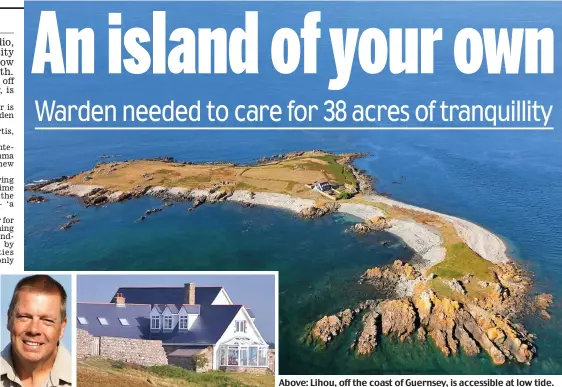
column 189, row 363
column 144, row 352
column 207, row 354
column 181, row 361
column 271, row 360
column 84, row 344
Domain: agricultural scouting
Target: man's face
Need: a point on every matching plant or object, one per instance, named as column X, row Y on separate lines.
column 36, row 326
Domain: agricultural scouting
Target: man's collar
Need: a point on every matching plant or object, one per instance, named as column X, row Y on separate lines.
column 6, row 363
column 61, row 372
column 62, row 369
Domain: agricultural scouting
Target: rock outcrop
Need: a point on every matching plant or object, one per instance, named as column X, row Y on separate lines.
column 457, row 286
column 317, row 212
column 452, row 326
column 329, row 327
column 366, row 341
column 398, row 318
column 541, row 303
column 396, row 279
column 93, row 195
column 37, row 199
column 68, row 225
column 375, row 224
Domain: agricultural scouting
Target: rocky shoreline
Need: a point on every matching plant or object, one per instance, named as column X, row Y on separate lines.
column 472, row 327
column 424, row 241
column 470, row 313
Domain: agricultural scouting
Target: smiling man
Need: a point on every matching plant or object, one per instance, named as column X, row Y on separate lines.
column 35, row 356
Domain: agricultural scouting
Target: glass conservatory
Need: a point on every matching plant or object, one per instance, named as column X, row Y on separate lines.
column 242, row 352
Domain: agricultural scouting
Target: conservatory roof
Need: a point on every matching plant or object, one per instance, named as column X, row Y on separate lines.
column 242, row 341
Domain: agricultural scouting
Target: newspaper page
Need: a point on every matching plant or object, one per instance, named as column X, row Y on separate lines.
column 280, row 193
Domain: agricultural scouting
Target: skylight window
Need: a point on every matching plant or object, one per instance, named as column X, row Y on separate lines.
column 123, row 321
column 103, row 321
column 82, row 320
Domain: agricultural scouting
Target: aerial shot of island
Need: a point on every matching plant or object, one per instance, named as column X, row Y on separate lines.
column 460, row 290
column 402, row 247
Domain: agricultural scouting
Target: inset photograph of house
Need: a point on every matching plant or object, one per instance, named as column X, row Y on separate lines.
column 180, row 327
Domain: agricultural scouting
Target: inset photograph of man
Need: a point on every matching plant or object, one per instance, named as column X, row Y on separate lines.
column 36, row 336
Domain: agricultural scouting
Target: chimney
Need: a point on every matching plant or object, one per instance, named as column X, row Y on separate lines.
column 189, row 294
column 120, row 300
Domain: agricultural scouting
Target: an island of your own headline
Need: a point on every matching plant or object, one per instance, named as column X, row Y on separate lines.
column 214, row 51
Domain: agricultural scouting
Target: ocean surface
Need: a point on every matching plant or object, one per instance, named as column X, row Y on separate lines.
column 508, row 181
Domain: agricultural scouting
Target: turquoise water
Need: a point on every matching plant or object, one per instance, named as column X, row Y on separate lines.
column 319, row 263
column 509, row 182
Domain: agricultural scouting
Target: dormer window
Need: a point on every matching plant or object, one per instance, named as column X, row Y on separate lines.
column 240, row 326
column 155, row 322
column 103, row 321
column 82, row 320
column 183, row 322
column 167, row 322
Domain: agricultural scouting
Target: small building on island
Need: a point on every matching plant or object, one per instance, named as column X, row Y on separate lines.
column 323, row 186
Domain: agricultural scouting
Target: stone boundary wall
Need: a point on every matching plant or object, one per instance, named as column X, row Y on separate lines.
column 138, row 351
column 143, row 352
column 84, row 344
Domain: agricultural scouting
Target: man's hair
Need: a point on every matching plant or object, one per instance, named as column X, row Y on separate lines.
column 39, row 283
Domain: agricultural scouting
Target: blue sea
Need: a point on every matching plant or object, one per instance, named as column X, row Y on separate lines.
column 508, row 181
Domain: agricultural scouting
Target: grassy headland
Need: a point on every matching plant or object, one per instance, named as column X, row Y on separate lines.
column 288, row 176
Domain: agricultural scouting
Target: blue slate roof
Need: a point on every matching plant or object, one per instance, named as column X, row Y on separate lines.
column 138, row 317
column 204, row 295
column 195, row 309
column 210, row 325
column 173, row 308
column 250, row 313
column 207, row 329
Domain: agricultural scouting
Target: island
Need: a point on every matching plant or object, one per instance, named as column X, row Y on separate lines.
column 461, row 289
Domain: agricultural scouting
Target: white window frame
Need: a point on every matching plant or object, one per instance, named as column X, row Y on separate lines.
column 157, row 320
column 103, row 321
column 83, row 320
column 184, row 322
column 240, row 326
column 124, row 321
column 169, row 319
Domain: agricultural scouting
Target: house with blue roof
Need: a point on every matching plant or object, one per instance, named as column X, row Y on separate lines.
column 192, row 327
